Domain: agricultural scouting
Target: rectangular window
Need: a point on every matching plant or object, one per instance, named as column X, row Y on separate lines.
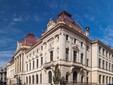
column 33, row 64
column 74, row 56
column 37, row 63
column 99, row 49
column 41, row 60
column 81, row 44
column 109, row 66
column 109, row 55
column 75, row 40
column 106, row 53
column 51, row 55
column 29, row 66
column 106, row 65
column 81, row 58
column 67, row 53
column 99, row 63
column 67, row 36
column 103, row 64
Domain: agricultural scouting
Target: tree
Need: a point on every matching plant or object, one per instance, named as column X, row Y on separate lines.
column 57, row 75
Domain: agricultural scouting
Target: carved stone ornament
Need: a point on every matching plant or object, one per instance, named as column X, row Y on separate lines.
column 50, row 24
column 76, row 48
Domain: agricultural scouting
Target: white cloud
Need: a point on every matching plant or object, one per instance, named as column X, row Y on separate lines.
column 18, row 19
column 107, row 35
column 3, row 63
column 7, row 53
column 5, row 57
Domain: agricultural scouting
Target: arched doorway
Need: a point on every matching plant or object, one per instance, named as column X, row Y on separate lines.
column 74, row 76
column 82, row 77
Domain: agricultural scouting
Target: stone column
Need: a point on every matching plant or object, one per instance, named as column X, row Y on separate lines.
column 70, row 77
column 85, row 76
column 78, row 77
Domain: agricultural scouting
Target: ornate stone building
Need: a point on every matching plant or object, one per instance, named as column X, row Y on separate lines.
column 64, row 43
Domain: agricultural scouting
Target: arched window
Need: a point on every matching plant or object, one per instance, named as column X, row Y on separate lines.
column 99, row 78
column 29, row 79
column 103, row 79
column 74, row 76
column 37, row 79
column 26, row 80
column 32, row 79
column 49, row 77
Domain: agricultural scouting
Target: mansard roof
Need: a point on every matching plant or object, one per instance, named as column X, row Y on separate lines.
column 29, row 40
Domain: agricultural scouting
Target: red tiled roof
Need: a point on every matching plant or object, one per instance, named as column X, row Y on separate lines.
column 29, row 40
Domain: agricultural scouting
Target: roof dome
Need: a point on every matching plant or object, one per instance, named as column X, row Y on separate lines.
column 29, row 40
column 66, row 17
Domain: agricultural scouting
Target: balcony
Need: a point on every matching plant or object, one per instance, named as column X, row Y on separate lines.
column 71, row 63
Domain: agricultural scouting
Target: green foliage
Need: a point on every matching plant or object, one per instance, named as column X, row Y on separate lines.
column 57, row 75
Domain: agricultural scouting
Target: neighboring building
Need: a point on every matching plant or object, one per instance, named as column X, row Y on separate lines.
column 64, row 43
column 102, row 63
column 2, row 76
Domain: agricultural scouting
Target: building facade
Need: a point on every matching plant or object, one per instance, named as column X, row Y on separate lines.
column 79, row 59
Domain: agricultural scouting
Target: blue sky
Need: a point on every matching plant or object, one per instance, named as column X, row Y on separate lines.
column 18, row 17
